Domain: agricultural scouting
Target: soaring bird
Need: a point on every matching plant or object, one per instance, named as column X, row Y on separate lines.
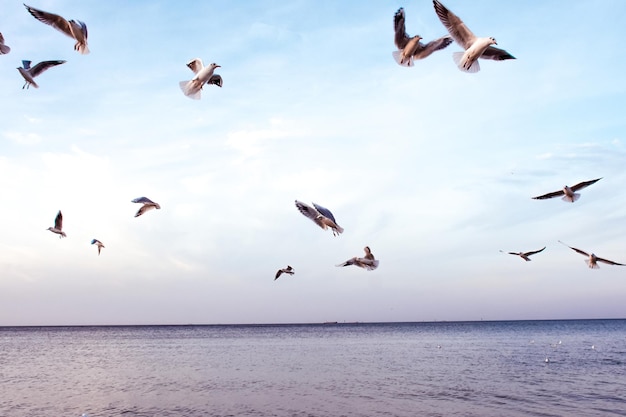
column 204, row 75
column 568, row 193
column 289, row 270
column 4, row 49
column 321, row 216
column 98, row 244
column 410, row 47
column 147, row 205
column 368, row 262
column 525, row 255
column 474, row 47
column 73, row 28
column 592, row 260
column 58, row 225
column 29, row 73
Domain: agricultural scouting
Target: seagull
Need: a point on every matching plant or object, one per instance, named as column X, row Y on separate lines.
column 58, row 226
column 29, row 73
column 4, row 49
column 73, row 28
column 203, row 75
column 568, row 193
column 147, row 205
column 289, row 270
column 592, row 260
column 97, row 243
column 525, row 255
column 368, row 262
column 474, row 47
column 321, row 216
column 410, row 48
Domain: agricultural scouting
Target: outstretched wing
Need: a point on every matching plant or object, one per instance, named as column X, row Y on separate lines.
column 584, row 184
column 325, row 212
column 142, row 200
column 550, row 195
column 534, row 252
column 195, row 65
column 401, row 38
column 457, row 29
column 54, row 20
column 42, row 66
column 215, row 79
column 606, row 261
column 582, row 252
column 58, row 221
column 496, row 54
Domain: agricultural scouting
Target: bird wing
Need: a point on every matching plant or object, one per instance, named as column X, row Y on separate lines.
column 582, row 252
column 42, row 66
column 325, row 212
column 584, row 184
column 437, row 44
column 550, row 195
column 350, row 261
column 1, row 38
column 307, row 210
column 215, row 79
column 142, row 200
column 457, row 29
column 195, row 65
column 401, row 37
column 606, row 261
column 534, row 252
column 280, row 271
column 54, row 20
column 79, row 25
column 496, row 54
column 58, row 221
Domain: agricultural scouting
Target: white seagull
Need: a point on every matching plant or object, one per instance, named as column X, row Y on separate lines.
column 474, row 47
column 75, row 29
column 204, row 75
column 568, row 193
column 410, row 47
column 321, row 216
column 29, row 73
column 58, row 225
column 592, row 260
column 289, row 270
column 147, row 205
column 4, row 49
column 98, row 244
column 525, row 255
column 368, row 262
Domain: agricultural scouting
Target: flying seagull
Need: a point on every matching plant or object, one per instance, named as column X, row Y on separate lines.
column 73, row 28
column 289, row 270
column 474, row 47
column 97, row 243
column 410, row 48
column 4, row 49
column 58, row 225
column 368, row 262
column 525, row 255
column 147, row 205
column 592, row 260
column 321, row 216
column 29, row 73
column 568, row 193
column 203, row 75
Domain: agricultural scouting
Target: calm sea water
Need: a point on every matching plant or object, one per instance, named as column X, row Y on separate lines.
column 392, row 369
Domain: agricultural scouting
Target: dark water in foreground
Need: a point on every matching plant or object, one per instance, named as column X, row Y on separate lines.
column 393, row 369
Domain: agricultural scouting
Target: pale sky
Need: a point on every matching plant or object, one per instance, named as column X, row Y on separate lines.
column 433, row 168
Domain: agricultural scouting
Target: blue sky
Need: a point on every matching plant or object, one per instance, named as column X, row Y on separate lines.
column 433, row 168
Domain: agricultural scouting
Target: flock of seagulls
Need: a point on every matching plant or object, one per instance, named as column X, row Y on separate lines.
column 409, row 49
column 568, row 194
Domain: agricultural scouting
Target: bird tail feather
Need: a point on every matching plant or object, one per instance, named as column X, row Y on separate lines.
column 82, row 48
column 458, row 60
column 571, row 199
column 4, row 49
column 186, row 87
column 397, row 55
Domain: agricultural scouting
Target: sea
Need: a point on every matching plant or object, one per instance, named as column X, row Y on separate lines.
column 486, row 368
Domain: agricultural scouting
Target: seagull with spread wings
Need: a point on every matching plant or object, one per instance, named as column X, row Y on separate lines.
column 367, row 262
column 474, row 47
column 592, row 260
column 98, row 244
column 568, row 193
column 29, row 73
column 525, row 255
column 75, row 29
column 321, row 216
column 58, row 225
column 4, row 49
column 289, row 270
column 410, row 47
column 204, row 75
column 147, row 205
